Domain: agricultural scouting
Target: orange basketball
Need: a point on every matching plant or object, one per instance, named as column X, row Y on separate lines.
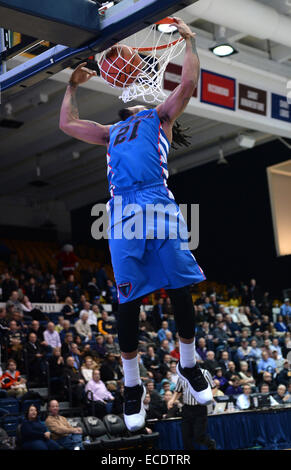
column 120, row 65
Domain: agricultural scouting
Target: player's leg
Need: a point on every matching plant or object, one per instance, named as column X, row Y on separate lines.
column 134, row 391
column 187, row 368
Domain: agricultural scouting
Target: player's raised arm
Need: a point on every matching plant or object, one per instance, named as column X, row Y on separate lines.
column 88, row 131
column 177, row 101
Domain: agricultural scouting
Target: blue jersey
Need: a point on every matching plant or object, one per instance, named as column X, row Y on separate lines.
column 138, row 152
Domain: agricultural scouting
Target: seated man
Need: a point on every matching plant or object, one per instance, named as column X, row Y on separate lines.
column 243, row 400
column 61, row 431
column 105, row 325
column 281, row 396
column 97, row 392
column 76, row 380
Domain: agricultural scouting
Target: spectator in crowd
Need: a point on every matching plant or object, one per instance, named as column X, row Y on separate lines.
column 279, row 361
column 60, row 325
column 234, row 387
column 163, row 330
column 224, row 361
column 87, row 368
column 67, row 328
column 68, row 310
column 201, row 350
column 73, row 378
column 76, row 355
column 211, row 363
column 8, row 286
column 93, row 289
column 286, row 346
column 72, row 289
column 143, row 372
column 15, row 338
column 11, row 381
column 243, row 316
column 243, row 351
column 223, row 382
column 99, row 346
column 83, row 327
column 110, row 369
column 254, row 291
column 51, row 337
column 51, row 293
column 152, row 362
column 97, row 392
column 243, row 401
column 158, row 314
column 112, row 346
column 245, row 375
column 281, row 396
column 14, row 301
column 216, row 392
column 66, row 345
column 152, row 412
column 276, row 347
column 106, row 326
column 35, row 359
column 61, row 431
column 34, row 433
column 254, row 309
column 111, row 295
column 232, row 326
column 36, row 328
column 33, row 290
column 264, row 388
column 56, row 369
column 145, row 325
column 175, row 353
column 268, row 380
column 255, row 352
column 284, row 376
column 163, row 349
column 280, row 326
column 266, row 363
column 220, row 336
column 285, row 309
column 92, row 319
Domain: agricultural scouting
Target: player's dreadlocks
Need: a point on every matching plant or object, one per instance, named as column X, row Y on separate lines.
column 180, row 138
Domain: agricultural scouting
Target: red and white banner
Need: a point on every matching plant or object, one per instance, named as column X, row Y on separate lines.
column 218, row 90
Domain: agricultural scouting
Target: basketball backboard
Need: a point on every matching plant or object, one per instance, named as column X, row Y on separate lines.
column 118, row 22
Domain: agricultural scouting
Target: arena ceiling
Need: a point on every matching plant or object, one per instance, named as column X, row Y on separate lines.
column 39, row 162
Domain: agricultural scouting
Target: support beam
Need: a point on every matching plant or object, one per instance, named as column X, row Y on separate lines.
column 69, row 22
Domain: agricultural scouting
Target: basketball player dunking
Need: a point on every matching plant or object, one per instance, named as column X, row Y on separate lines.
column 137, row 149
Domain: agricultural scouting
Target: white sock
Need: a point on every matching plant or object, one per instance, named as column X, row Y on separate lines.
column 187, row 354
column 131, row 372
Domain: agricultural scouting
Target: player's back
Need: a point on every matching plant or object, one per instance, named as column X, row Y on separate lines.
column 137, row 152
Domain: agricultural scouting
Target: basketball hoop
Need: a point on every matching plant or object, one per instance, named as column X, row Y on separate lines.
column 142, row 78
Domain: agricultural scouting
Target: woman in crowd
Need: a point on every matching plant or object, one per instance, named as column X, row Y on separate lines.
column 34, row 433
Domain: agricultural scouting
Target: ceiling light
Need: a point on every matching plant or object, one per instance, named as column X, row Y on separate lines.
column 246, row 141
column 167, row 28
column 223, row 49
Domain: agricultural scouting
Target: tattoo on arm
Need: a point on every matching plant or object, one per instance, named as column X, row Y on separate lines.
column 194, row 47
column 73, row 103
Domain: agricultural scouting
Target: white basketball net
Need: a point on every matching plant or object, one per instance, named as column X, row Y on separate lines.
column 156, row 49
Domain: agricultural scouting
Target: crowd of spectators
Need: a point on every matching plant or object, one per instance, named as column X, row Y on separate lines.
column 238, row 341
